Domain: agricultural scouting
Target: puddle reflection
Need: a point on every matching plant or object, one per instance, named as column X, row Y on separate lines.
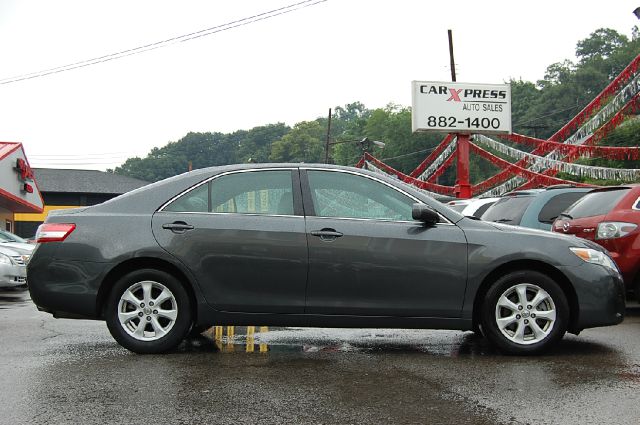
column 262, row 339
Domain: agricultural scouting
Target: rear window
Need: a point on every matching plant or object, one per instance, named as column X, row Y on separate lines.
column 597, row 203
column 508, row 210
column 458, row 207
column 557, row 204
column 482, row 209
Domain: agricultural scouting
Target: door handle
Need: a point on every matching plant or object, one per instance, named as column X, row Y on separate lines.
column 327, row 235
column 178, row 226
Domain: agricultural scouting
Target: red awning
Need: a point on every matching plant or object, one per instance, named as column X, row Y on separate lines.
column 19, row 192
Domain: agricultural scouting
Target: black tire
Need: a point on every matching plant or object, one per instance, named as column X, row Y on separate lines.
column 164, row 326
column 524, row 328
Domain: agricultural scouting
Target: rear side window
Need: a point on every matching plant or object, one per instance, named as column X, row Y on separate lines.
column 257, row 192
column 597, row 203
column 508, row 210
column 557, row 204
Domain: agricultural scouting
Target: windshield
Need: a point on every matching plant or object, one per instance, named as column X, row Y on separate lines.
column 10, row 237
column 596, row 203
column 508, row 210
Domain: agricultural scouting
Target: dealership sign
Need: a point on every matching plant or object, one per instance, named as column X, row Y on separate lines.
column 461, row 107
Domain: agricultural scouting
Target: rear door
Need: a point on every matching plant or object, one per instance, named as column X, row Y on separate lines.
column 242, row 234
column 367, row 256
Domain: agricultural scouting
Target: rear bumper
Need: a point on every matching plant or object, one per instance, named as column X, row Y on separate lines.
column 600, row 296
column 66, row 288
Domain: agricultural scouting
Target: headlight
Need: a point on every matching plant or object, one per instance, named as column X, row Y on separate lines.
column 614, row 229
column 5, row 259
column 595, row 257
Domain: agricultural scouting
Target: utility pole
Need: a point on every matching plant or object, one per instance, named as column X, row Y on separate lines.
column 463, row 186
column 327, row 143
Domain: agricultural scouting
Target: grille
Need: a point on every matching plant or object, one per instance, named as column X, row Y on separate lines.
column 18, row 260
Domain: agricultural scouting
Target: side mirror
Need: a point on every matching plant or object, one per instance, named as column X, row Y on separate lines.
column 425, row 214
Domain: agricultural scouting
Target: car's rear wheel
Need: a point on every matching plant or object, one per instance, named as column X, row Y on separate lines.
column 148, row 311
column 524, row 312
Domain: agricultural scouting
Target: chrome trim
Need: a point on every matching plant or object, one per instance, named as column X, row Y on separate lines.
column 226, row 173
column 232, row 213
column 386, row 220
column 418, row 201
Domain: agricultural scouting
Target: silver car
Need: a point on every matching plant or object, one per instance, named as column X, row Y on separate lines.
column 13, row 268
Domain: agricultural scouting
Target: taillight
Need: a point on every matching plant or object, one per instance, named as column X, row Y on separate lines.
column 54, row 232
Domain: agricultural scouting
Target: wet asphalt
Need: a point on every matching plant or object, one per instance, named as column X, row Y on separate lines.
column 56, row 371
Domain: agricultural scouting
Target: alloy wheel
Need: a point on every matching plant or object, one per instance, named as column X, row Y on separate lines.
column 147, row 310
column 525, row 314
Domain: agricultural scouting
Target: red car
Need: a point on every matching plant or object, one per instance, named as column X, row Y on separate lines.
column 609, row 216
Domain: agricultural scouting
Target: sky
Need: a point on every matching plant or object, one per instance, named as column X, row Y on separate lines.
column 287, row 67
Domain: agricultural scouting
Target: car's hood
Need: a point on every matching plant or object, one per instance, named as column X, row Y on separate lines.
column 20, row 248
column 546, row 233
column 8, row 251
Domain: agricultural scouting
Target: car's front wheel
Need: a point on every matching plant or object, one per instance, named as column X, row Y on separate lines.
column 524, row 312
column 148, row 311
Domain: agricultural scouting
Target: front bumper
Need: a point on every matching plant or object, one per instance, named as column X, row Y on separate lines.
column 12, row 275
column 600, row 296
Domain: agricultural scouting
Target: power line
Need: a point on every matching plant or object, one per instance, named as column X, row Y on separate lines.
column 164, row 43
column 408, row 154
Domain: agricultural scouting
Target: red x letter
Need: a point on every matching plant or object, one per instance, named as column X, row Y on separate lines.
column 454, row 95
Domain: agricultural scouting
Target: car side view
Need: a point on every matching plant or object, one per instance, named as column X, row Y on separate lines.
column 610, row 217
column 313, row 245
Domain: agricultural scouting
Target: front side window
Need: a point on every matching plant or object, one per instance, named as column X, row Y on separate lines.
column 255, row 192
column 345, row 195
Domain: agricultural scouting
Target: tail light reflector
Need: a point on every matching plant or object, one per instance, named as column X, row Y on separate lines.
column 54, row 232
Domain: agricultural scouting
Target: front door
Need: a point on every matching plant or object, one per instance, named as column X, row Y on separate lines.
column 242, row 234
column 367, row 256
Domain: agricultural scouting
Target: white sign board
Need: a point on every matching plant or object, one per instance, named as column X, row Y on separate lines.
column 461, row 107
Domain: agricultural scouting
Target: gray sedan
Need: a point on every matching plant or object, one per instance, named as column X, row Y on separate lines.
column 313, row 245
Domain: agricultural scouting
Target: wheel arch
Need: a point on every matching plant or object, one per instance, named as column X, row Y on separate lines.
column 143, row 263
column 533, row 265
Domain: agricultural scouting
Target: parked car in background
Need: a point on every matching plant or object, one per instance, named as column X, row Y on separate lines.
column 16, row 243
column 473, row 207
column 534, row 208
column 610, row 217
column 13, row 271
column 312, row 245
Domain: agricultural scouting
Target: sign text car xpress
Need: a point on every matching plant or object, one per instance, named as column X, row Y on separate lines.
column 461, row 107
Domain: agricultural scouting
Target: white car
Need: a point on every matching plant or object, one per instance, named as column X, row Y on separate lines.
column 473, row 207
column 16, row 243
column 13, row 268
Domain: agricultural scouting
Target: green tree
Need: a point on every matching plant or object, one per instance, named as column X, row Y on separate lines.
column 304, row 143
